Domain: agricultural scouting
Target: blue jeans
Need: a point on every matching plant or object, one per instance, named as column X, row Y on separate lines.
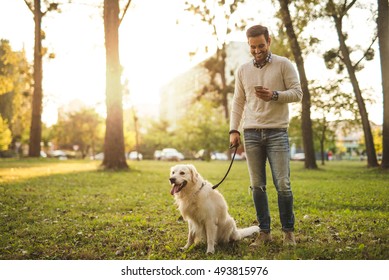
column 272, row 144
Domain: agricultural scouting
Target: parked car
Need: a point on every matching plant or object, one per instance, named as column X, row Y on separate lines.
column 239, row 156
column 204, row 155
column 171, row 155
column 298, row 156
column 99, row 156
column 219, row 156
column 201, row 155
column 157, row 154
column 134, row 155
column 59, row 154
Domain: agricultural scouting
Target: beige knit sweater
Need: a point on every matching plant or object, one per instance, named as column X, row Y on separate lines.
column 278, row 75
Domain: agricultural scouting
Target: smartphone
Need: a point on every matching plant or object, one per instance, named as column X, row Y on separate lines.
column 258, row 87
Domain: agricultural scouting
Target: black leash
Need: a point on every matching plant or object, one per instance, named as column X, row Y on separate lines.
column 229, row 168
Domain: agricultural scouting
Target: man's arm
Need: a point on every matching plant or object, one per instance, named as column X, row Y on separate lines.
column 238, row 103
column 293, row 92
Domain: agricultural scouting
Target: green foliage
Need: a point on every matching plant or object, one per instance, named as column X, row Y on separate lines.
column 129, row 117
column 69, row 210
column 303, row 14
column 213, row 12
column 377, row 134
column 378, row 143
column 331, row 59
column 158, row 135
column 83, row 128
column 328, row 99
column 294, row 132
column 8, row 61
column 207, row 130
column 5, row 135
column 15, row 84
column 280, row 44
column 331, row 106
column 202, row 127
column 324, row 133
column 339, row 12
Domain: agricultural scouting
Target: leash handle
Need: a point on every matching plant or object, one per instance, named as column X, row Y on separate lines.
column 229, row 168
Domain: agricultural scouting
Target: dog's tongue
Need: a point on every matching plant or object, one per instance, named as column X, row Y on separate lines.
column 174, row 189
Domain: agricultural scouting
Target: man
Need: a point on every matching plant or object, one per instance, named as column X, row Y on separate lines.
column 263, row 89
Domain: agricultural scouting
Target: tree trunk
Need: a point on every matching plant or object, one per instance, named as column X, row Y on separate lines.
column 36, row 122
column 322, row 140
column 383, row 40
column 370, row 150
column 306, row 122
column 114, row 152
column 224, row 89
column 136, row 127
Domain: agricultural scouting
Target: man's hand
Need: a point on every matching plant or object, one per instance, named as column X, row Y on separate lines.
column 265, row 94
column 234, row 139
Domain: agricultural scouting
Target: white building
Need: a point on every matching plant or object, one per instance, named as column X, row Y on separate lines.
column 179, row 93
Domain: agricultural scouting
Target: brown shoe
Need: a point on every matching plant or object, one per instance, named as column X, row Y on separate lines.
column 262, row 238
column 289, row 239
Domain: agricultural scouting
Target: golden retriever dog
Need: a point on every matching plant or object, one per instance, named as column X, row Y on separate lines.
column 204, row 209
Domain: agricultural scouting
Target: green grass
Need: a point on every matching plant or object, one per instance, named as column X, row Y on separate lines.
column 70, row 210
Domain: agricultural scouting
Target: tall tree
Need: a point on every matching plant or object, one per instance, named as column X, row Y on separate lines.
column 337, row 13
column 114, row 151
column 383, row 40
column 306, row 122
column 36, row 119
column 36, row 122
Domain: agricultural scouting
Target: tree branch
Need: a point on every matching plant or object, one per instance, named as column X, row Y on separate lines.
column 339, row 55
column 125, row 11
column 29, row 5
column 349, row 6
column 364, row 55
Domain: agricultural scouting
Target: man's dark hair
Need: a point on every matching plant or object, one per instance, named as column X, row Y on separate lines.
column 257, row 30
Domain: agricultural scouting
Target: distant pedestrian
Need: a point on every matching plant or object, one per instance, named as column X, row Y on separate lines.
column 329, row 154
column 263, row 89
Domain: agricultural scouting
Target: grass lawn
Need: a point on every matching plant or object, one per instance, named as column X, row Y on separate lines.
column 70, row 210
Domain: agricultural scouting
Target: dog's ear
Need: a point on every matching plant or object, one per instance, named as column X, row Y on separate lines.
column 193, row 173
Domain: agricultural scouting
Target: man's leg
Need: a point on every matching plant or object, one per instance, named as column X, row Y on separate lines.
column 256, row 163
column 278, row 153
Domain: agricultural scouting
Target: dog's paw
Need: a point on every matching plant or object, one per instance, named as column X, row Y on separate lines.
column 210, row 251
column 186, row 247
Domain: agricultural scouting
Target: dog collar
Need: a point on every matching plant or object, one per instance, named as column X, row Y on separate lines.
column 202, row 186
